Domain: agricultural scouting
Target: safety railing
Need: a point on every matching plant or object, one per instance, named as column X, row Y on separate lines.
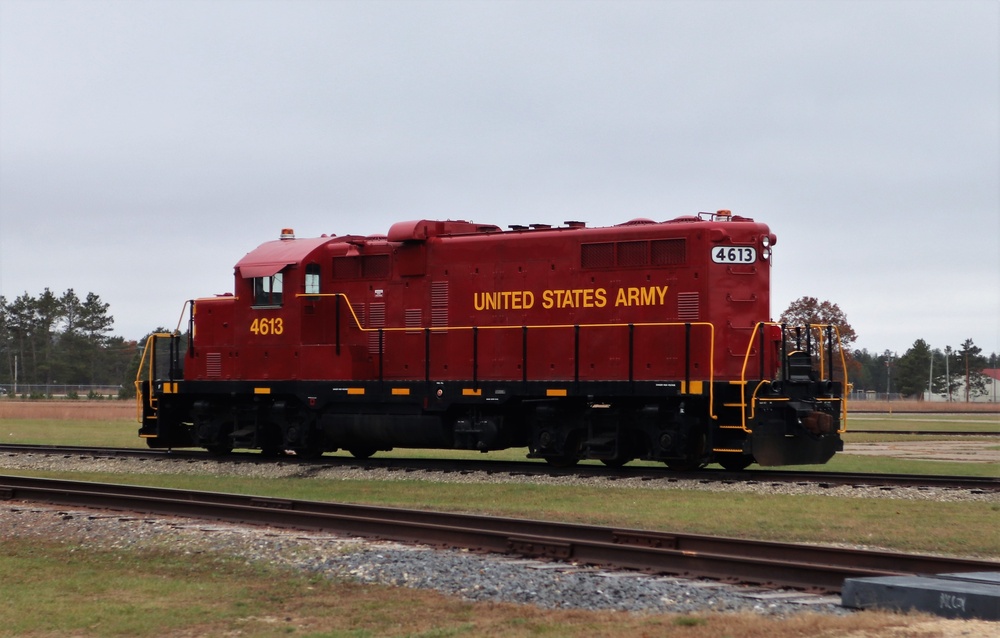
column 825, row 349
column 147, row 373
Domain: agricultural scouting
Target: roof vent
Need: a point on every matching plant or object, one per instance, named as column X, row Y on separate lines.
column 638, row 221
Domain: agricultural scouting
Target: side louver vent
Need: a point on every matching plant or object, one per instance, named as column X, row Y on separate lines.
column 688, row 306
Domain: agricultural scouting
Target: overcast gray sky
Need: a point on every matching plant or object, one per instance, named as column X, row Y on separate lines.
column 146, row 146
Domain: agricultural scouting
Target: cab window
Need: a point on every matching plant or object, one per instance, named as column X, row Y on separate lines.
column 312, row 279
column 267, row 290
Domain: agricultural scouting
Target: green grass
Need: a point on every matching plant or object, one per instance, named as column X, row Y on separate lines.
column 118, row 594
column 110, row 433
column 986, row 422
column 888, row 465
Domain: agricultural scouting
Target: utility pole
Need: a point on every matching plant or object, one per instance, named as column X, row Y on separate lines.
column 888, row 378
column 930, row 379
column 947, row 373
column 966, row 374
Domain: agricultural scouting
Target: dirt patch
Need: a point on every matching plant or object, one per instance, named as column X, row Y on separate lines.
column 932, row 629
column 971, row 451
column 78, row 410
column 886, row 407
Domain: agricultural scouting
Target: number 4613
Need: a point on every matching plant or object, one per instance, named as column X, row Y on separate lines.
column 267, row 326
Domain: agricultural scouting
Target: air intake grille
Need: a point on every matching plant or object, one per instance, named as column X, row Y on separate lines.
column 213, row 365
column 688, row 306
column 669, row 252
column 376, row 319
column 439, row 304
column 597, row 255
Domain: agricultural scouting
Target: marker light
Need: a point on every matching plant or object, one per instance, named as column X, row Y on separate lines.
column 287, row 233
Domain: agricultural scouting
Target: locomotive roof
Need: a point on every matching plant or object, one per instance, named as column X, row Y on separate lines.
column 272, row 256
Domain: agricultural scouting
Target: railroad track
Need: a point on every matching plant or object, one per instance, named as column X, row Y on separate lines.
column 532, row 468
column 807, row 567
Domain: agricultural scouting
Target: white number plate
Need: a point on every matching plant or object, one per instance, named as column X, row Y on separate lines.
column 734, row 255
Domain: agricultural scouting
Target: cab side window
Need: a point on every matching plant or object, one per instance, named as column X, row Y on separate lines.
column 312, row 279
column 267, row 290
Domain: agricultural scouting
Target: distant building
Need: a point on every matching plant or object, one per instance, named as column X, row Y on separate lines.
column 958, row 396
column 992, row 392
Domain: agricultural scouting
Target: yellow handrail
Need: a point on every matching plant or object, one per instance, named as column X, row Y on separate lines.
column 147, row 353
column 753, row 396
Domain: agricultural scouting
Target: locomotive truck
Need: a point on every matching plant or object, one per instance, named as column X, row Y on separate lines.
column 645, row 340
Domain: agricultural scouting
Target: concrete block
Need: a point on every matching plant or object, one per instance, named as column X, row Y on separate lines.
column 973, row 595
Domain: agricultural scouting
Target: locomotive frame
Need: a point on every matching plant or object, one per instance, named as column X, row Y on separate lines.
column 644, row 340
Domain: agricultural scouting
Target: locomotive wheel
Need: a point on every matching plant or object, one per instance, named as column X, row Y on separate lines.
column 735, row 462
column 571, row 452
column 684, row 465
column 361, row 452
column 562, row 461
column 694, row 458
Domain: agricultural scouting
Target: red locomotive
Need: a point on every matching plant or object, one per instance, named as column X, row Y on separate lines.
column 642, row 340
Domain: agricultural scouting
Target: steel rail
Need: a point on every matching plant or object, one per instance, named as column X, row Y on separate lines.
column 809, row 567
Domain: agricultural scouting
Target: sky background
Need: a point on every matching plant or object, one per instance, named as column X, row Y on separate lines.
column 145, row 147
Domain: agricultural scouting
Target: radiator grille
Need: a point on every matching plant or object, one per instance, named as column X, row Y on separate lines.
column 669, row 252
column 597, row 255
column 633, row 253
